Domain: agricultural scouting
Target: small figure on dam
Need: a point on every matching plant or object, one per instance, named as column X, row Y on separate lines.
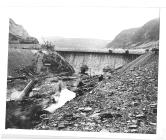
column 84, row 69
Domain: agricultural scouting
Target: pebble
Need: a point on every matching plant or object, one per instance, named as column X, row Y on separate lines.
column 140, row 116
column 135, row 103
column 155, row 110
column 134, row 131
column 154, row 124
column 153, row 105
column 96, row 115
column 133, row 126
column 104, row 131
column 86, row 109
column 61, row 126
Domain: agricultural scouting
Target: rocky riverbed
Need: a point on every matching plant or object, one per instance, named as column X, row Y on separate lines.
column 124, row 103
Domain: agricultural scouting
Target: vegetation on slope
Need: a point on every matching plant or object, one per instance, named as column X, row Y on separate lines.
column 20, row 60
column 137, row 36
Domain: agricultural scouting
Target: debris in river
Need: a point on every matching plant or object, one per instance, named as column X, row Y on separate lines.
column 65, row 95
column 124, row 103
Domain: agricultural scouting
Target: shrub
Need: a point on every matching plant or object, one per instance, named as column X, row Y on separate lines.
column 48, row 46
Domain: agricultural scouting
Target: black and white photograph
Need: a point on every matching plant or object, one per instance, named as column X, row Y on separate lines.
column 83, row 69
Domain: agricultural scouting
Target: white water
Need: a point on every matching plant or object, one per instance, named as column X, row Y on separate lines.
column 65, row 95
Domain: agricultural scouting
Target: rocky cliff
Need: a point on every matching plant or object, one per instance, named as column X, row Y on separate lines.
column 17, row 34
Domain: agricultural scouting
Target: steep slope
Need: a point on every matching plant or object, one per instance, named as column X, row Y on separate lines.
column 78, row 43
column 149, row 32
column 17, row 30
column 17, row 34
column 122, row 39
column 135, row 63
column 123, row 104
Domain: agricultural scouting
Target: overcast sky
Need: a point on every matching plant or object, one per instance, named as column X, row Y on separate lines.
column 80, row 22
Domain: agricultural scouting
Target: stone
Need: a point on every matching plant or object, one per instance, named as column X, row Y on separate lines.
column 134, row 131
column 134, row 121
column 135, row 103
column 76, row 125
column 117, row 115
column 130, row 89
column 106, row 115
column 118, row 108
column 104, row 120
column 104, row 131
column 153, row 105
column 138, row 77
column 126, row 131
column 140, row 116
column 154, row 124
column 88, row 128
column 144, row 109
column 129, row 115
column 86, row 109
column 90, row 123
column 35, row 89
column 95, row 115
column 155, row 110
column 61, row 126
column 83, row 114
column 54, row 125
column 70, row 117
column 133, row 126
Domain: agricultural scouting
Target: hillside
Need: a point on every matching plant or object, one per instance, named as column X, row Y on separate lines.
column 149, row 32
column 77, row 42
column 114, row 105
column 33, row 61
column 17, row 34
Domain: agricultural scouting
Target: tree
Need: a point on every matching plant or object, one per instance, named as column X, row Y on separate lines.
column 48, row 46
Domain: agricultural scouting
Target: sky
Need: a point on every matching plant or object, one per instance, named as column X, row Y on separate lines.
column 80, row 22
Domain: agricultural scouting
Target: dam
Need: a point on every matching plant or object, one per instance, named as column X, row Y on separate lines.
column 96, row 60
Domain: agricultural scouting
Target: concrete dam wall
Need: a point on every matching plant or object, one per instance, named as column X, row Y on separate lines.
column 97, row 61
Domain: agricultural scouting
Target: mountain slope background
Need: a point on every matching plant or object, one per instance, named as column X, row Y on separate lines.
column 136, row 36
column 17, row 34
column 76, row 43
